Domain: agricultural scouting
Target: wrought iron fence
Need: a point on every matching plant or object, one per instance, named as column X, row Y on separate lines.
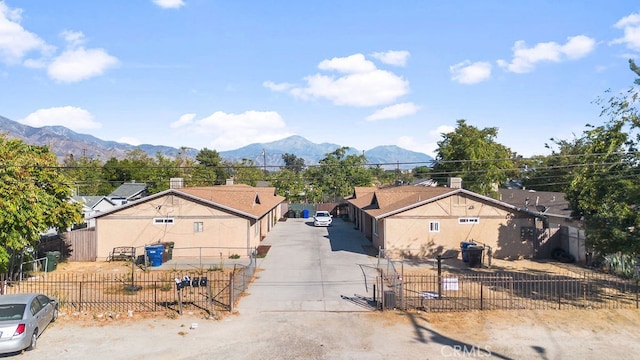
column 508, row 291
column 240, row 279
column 142, row 292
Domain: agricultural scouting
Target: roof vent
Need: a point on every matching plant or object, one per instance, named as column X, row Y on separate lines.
column 176, row 183
column 454, row 182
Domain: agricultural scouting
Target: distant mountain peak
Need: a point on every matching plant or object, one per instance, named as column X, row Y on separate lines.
column 65, row 141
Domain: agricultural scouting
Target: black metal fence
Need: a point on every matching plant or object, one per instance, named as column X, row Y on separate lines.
column 141, row 292
column 507, row 291
column 240, row 279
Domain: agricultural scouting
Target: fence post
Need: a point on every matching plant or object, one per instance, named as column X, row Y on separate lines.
column 637, row 293
column 584, row 294
column 481, row 295
column 231, row 291
column 558, row 291
column 80, row 298
column 155, row 296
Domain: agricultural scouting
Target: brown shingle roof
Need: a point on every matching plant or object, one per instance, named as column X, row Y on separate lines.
column 381, row 201
column 256, row 201
column 242, row 199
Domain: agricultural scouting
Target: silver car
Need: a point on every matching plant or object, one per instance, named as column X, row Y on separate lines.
column 23, row 317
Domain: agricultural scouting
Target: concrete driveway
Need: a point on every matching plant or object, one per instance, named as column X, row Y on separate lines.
column 312, row 269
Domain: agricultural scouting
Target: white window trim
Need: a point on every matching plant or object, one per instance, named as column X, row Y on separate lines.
column 434, row 226
column 163, row 221
column 198, row 226
column 375, row 227
column 469, row 220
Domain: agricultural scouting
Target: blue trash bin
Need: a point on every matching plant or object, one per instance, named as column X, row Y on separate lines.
column 305, row 213
column 155, row 252
column 463, row 246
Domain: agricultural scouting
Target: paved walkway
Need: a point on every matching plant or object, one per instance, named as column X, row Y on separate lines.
column 312, row 269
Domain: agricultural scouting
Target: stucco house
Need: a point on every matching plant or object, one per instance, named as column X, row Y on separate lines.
column 128, row 192
column 200, row 221
column 425, row 221
column 562, row 230
column 93, row 205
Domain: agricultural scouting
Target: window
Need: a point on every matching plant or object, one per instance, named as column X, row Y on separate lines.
column 434, row 226
column 198, row 226
column 161, row 221
column 468, row 220
column 35, row 306
column 375, row 227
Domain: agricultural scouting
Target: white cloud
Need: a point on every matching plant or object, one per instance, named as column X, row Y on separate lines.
column 470, row 73
column 73, row 38
column 184, row 120
column 410, row 143
column 15, row 41
column 427, row 144
column 169, row 4
column 630, row 24
column 397, row 58
column 525, row 58
column 230, row 131
column 442, row 129
column 129, row 140
column 74, row 118
column 394, row 111
column 75, row 65
column 351, row 64
column 278, row 87
column 362, row 85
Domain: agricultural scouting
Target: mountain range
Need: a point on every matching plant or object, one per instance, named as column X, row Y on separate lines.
column 64, row 141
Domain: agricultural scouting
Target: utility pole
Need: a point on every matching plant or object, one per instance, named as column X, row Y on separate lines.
column 264, row 161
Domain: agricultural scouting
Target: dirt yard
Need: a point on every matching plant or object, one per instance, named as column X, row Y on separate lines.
column 580, row 334
column 549, row 334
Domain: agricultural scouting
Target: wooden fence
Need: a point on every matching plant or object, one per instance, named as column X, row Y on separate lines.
column 508, row 291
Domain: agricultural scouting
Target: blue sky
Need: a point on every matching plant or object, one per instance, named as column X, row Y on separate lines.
column 224, row 74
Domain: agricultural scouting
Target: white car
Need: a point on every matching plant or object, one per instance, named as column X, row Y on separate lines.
column 322, row 218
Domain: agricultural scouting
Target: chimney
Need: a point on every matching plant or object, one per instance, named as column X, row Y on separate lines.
column 176, row 183
column 454, row 182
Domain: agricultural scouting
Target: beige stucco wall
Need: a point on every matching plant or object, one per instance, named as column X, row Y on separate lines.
column 408, row 232
column 224, row 233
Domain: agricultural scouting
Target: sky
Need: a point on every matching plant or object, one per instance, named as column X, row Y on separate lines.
column 222, row 74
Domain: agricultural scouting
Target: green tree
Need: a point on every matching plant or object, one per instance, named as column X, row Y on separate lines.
column 246, row 172
column 293, row 163
column 337, row 174
column 421, row 172
column 34, row 197
column 87, row 176
column 290, row 184
column 161, row 171
column 473, row 155
column 605, row 191
column 553, row 172
column 113, row 174
column 209, row 170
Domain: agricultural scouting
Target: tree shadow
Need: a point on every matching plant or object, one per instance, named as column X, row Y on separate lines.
column 450, row 347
